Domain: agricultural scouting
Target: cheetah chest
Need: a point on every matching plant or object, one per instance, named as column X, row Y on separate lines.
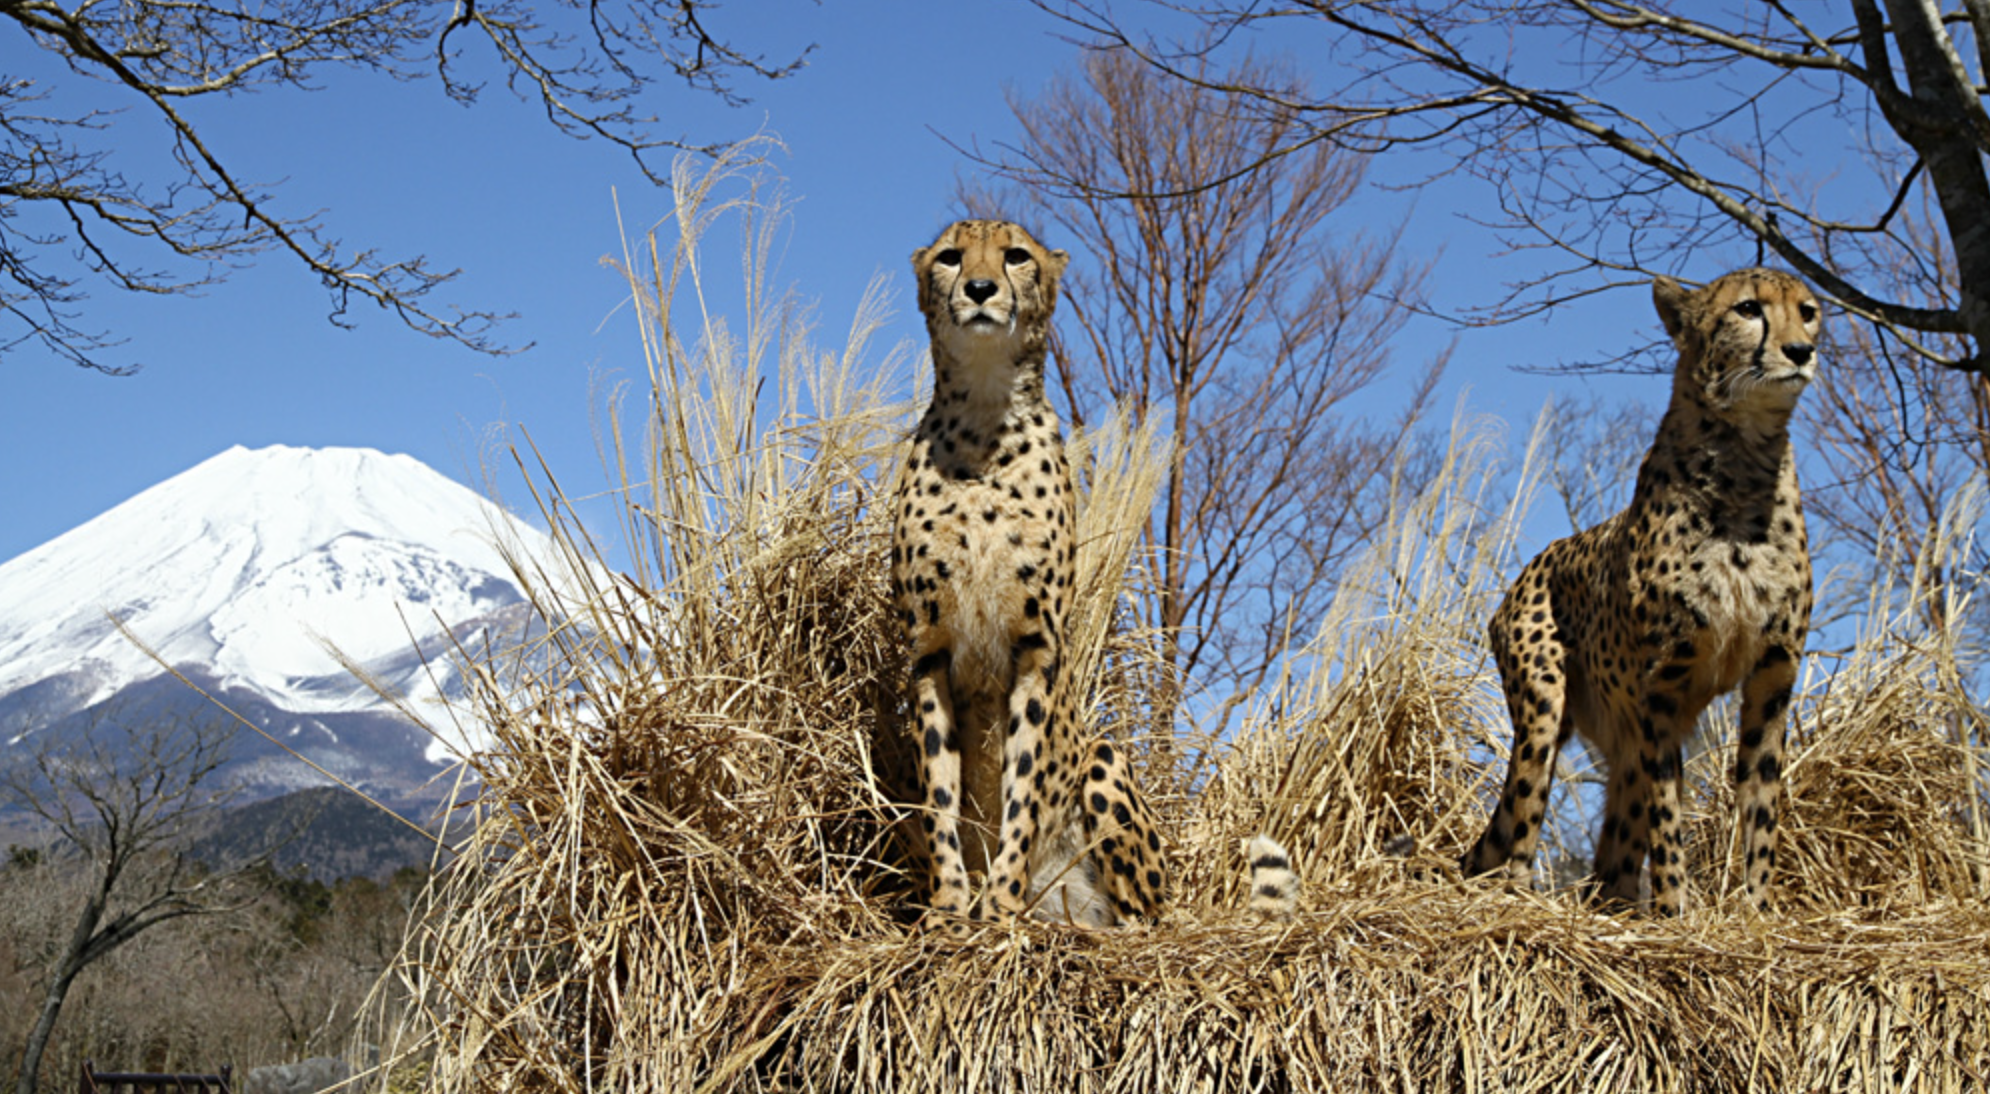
column 995, row 553
column 1728, row 599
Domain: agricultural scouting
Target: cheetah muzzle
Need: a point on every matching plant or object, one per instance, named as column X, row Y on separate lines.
column 1625, row 632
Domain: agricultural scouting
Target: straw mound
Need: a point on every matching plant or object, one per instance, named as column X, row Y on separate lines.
column 1879, row 796
column 685, row 876
column 1406, row 988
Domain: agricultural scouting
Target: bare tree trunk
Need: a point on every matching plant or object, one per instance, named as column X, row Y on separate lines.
column 51, row 1005
column 38, row 1038
column 1938, row 82
column 1174, row 585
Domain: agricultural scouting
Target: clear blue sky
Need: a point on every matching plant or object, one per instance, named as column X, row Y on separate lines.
column 528, row 215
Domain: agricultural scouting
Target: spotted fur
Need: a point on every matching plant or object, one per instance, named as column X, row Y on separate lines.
column 1626, row 631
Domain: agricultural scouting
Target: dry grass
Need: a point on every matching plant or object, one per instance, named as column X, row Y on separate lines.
column 684, row 874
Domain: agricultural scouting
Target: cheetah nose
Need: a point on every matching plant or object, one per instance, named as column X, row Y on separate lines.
column 979, row 290
column 1798, row 352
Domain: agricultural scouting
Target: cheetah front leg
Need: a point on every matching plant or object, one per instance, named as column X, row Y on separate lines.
column 1667, row 846
column 940, row 779
column 1030, row 725
column 1758, row 766
column 1665, row 716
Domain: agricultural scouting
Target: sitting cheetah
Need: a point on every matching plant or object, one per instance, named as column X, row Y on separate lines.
column 983, row 561
column 1625, row 632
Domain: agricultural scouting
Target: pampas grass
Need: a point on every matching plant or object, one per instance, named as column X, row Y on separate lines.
column 685, row 874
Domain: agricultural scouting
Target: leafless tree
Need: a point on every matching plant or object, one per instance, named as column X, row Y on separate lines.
column 78, row 204
column 295, row 973
column 123, row 802
column 1899, row 441
column 1222, row 285
column 1625, row 136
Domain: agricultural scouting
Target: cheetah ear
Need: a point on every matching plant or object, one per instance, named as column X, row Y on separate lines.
column 1671, row 299
column 921, row 260
column 1052, row 270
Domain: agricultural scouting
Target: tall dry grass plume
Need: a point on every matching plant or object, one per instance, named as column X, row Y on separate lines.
column 684, row 875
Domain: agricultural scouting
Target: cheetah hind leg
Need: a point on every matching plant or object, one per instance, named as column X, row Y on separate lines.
column 1121, row 831
column 1536, row 697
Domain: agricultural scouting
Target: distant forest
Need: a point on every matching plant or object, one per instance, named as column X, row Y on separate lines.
column 281, row 972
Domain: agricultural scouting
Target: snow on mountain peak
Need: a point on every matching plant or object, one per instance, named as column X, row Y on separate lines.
column 248, row 562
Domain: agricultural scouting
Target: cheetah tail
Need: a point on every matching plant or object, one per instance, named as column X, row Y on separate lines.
column 1274, row 883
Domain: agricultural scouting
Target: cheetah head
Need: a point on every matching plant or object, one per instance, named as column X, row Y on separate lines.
column 1747, row 342
column 987, row 280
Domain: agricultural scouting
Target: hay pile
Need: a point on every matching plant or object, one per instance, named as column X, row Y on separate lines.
column 685, row 875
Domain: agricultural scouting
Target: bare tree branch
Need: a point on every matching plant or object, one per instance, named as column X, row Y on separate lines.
column 1610, row 166
column 65, row 201
column 1901, row 439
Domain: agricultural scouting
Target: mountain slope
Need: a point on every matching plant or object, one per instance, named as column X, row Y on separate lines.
column 327, row 832
column 240, row 570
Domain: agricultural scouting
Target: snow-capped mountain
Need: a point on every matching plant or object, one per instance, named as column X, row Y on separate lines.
column 242, row 570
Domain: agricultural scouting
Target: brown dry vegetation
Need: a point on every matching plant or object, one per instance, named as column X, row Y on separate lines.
column 284, row 977
column 683, row 876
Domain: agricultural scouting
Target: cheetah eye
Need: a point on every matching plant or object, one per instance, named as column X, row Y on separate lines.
column 1749, row 309
column 1017, row 256
column 1807, row 311
column 948, row 257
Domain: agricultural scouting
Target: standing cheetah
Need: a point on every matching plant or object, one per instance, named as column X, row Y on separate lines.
column 983, row 561
column 1625, row 632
